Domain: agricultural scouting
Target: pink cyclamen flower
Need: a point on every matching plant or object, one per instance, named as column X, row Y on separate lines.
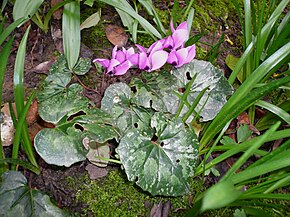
column 152, row 58
column 179, row 36
column 121, row 61
column 181, row 56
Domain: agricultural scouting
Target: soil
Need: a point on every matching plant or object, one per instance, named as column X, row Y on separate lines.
column 41, row 53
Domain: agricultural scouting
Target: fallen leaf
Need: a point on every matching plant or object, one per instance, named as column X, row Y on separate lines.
column 96, row 172
column 116, row 35
column 32, row 114
column 243, row 118
column 91, row 20
column 7, row 127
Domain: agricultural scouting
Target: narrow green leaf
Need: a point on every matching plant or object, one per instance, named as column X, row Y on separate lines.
column 91, row 20
column 126, row 7
column 260, row 170
column 262, row 139
column 9, row 29
column 25, row 8
column 22, row 163
column 220, row 195
column 4, row 55
column 18, row 130
column 3, row 6
column 275, row 110
column 71, row 32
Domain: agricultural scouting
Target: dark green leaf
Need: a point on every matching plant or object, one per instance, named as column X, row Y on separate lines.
column 159, row 92
column 25, row 8
column 17, row 199
column 82, row 66
column 243, row 133
column 160, row 162
column 60, row 148
column 63, row 104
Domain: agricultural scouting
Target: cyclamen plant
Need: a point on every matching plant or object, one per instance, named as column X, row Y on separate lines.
column 167, row 50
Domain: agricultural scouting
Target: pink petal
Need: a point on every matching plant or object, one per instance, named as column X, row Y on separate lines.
column 183, row 25
column 122, row 68
column 168, row 42
column 103, row 62
column 172, row 26
column 114, row 52
column 172, row 58
column 158, row 59
column 191, row 53
column 120, row 56
column 130, row 52
column 158, row 45
column 141, row 48
column 143, row 61
column 113, row 64
column 134, row 59
column 181, row 55
column 179, row 37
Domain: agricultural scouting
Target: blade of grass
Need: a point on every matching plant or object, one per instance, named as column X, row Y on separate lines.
column 275, row 110
column 242, row 98
column 7, row 31
column 279, row 184
column 3, row 5
column 126, row 7
column 242, row 147
column 4, row 54
column 262, row 139
column 2, row 25
column 22, row 163
column 21, row 121
column 266, row 196
column 71, row 32
column 19, row 95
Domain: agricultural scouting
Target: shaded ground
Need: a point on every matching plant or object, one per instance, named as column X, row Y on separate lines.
column 43, row 48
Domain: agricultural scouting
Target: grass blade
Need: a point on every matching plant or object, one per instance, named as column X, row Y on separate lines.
column 262, row 139
column 275, row 110
column 4, row 54
column 71, row 32
column 21, row 121
column 22, row 163
column 9, row 29
column 19, row 95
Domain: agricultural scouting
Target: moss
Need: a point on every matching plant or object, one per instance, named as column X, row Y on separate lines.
column 114, row 195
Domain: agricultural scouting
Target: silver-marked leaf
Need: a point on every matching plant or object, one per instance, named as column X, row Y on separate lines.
column 63, row 104
column 17, row 199
column 83, row 66
column 60, row 148
column 160, row 90
column 99, row 132
column 117, row 102
column 160, row 163
column 206, row 76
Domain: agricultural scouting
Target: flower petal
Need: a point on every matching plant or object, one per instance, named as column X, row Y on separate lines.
column 134, row 59
column 103, row 62
column 172, row 58
column 143, row 61
column 179, row 37
column 114, row 52
column 181, row 55
column 183, row 25
column 120, row 56
column 158, row 45
column 191, row 54
column 158, row 59
column 168, row 43
column 122, row 68
column 141, row 48
column 112, row 65
column 172, row 26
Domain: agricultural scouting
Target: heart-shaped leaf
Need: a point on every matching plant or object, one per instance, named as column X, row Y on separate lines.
column 60, row 148
column 17, row 199
column 83, row 66
column 159, row 91
column 160, row 162
column 63, row 104
column 117, row 102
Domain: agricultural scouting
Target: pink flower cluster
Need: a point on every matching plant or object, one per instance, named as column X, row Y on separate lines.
column 170, row 49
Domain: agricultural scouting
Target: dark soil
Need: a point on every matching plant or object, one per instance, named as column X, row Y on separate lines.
column 41, row 49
